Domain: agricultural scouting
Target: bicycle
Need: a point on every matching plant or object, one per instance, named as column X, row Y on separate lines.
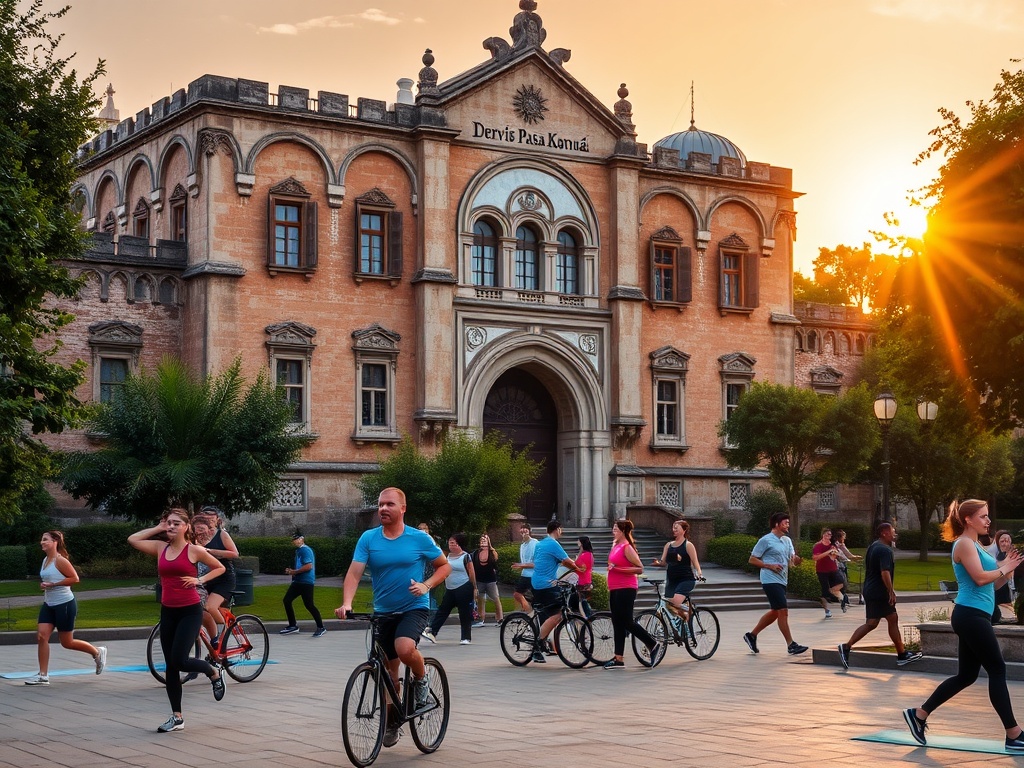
column 371, row 699
column 242, row 648
column 699, row 634
column 574, row 638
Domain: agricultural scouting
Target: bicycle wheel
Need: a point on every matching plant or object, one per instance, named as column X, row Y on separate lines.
column 362, row 715
column 246, row 648
column 604, row 638
column 655, row 625
column 428, row 728
column 575, row 641
column 704, row 634
column 517, row 638
column 155, row 657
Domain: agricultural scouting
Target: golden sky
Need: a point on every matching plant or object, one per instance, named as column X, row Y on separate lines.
column 844, row 92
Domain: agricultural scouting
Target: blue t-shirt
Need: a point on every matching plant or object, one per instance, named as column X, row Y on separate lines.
column 394, row 564
column 304, row 555
column 547, row 556
column 970, row 594
column 774, row 550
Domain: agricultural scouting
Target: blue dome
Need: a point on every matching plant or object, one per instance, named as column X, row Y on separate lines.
column 694, row 140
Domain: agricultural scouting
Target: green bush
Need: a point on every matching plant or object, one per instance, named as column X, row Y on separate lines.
column 599, row 596
column 248, row 563
column 732, row 551
column 275, row 553
column 910, row 540
column 507, row 554
column 723, row 525
column 99, row 541
column 136, row 566
column 14, row 562
column 34, row 519
column 803, row 580
column 761, row 505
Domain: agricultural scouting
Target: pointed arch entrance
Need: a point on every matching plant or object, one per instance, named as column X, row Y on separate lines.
column 521, row 409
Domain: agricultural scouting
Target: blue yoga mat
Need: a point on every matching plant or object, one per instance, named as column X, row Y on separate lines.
column 956, row 743
column 92, row 671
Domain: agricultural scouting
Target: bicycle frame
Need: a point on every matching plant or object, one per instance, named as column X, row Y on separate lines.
column 376, row 657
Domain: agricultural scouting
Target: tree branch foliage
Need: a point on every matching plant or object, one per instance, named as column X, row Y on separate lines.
column 469, row 485
column 172, row 437
column 45, row 114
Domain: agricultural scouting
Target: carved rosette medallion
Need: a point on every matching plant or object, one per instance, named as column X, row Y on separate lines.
column 475, row 337
column 529, row 201
column 529, row 104
column 588, row 343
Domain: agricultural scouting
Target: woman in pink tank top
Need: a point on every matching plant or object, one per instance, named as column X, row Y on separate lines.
column 181, row 612
column 623, row 566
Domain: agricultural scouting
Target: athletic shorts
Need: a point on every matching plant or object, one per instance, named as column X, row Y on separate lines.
column 776, row 596
column 546, row 602
column 683, row 587
column 409, row 624
column 524, row 585
column 223, row 585
column 61, row 616
column 828, row 581
column 878, row 609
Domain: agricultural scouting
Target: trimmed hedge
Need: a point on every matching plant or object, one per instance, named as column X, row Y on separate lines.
column 137, row 565
column 911, row 540
column 509, row 553
column 275, row 553
column 14, row 562
column 734, row 552
column 99, row 541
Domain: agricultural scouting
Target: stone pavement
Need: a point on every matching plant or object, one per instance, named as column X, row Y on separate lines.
column 735, row 709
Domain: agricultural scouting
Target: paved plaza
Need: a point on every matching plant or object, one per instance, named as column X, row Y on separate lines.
column 734, row 710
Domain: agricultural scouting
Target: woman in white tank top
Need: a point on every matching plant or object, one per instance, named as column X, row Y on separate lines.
column 59, row 609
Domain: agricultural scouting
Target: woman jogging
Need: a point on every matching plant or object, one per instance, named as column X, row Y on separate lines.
column 59, row 608
column 181, row 613
column 977, row 574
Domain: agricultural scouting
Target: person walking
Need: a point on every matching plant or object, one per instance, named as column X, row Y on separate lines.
column 585, row 584
column 682, row 569
column 460, row 586
column 59, row 608
column 880, row 597
column 1004, row 595
column 485, row 564
column 181, row 613
column 773, row 554
column 525, row 568
column 623, row 566
column 977, row 576
column 826, row 566
column 303, row 580
column 845, row 558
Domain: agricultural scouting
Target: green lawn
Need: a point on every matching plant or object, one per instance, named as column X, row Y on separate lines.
column 915, row 576
column 30, row 587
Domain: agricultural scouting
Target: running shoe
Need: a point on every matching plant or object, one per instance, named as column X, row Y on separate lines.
column 290, row 630
column 101, row 659
column 613, row 664
column 478, row 624
column 429, row 635
column 828, row 614
column 907, row 657
column 38, row 680
column 751, row 640
column 1015, row 745
column 537, row 658
column 844, row 655
column 320, row 632
column 392, row 733
column 421, row 692
column 795, row 648
column 218, row 687
column 173, row 724
column 917, row 726
column 465, row 642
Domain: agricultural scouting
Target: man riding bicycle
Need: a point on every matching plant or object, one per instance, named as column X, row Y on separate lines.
column 396, row 554
column 546, row 558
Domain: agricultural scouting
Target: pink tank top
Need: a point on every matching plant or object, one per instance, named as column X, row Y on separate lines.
column 617, row 580
column 173, row 593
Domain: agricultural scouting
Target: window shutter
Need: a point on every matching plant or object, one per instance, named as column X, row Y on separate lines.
column 395, row 244
column 721, row 279
column 309, row 234
column 270, row 232
column 684, row 278
column 751, row 265
column 358, row 238
column 653, row 296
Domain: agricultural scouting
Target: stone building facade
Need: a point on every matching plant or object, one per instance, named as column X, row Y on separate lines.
column 495, row 252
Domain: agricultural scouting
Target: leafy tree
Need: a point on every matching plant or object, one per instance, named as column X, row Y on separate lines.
column 969, row 278
column 856, row 274
column 469, row 485
column 806, row 289
column 761, row 505
column 1010, row 502
column 805, row 440
column 172, row 437
column 46, row 114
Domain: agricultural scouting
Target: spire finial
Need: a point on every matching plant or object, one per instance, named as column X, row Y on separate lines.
column 692, row 124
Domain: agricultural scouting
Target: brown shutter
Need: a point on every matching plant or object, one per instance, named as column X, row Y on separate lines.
column 395, row 243
column 270, row 232
column 751, row 265
column 684, row 275
column 310, row 235
column 721, row 279
column 650, row 263
column 359, row 210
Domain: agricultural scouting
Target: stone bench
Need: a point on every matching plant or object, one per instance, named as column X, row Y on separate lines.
column 938, row 639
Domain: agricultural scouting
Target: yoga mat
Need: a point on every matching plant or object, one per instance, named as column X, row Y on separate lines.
column 956, row 743
column 92, row 670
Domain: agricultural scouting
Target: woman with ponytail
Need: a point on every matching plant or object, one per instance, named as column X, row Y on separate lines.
column 59, row 609
column 623, row 566
column 977, row 575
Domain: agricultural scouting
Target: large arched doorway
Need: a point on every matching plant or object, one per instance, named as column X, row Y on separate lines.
column 520, row 408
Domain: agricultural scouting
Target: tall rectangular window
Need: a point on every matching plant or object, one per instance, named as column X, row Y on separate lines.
column 375, row 395
column 664, row 274
column 287, row 235
column 179, row 221
column 290, row 378
column 733, row 393
column 371, row 243
column 668, row 409
column 732, row 280
column 671, row 268
column 113, row 372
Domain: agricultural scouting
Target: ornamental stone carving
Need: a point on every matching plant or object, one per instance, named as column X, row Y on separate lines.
column 669, row 359
column 738, row 363
column 588, row 343
column 211, row 142
column 475, row 337
column 291, row 187
column 529, row 104
column 734, row 241
column 529, row 201
column 427, row 85
column 376, row 197
column 376, row 337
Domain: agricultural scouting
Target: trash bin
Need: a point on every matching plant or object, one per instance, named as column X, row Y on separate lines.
column 244, row 583
column 158, row 590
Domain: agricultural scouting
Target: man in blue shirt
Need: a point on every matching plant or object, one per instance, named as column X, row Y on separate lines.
column 773, row 554
column 547, row 556
column 303, row 578
column 396, row 554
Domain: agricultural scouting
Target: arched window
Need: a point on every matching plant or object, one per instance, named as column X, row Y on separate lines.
column 485, row 259
column 812, row 341
column 567, row 264
column 527, row 276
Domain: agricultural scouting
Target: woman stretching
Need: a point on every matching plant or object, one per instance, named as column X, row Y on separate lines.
column 181, row 614
column 59, row 608
column 976, row 574
column 623, row 566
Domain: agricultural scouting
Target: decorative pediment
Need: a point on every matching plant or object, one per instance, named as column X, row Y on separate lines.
column 290, row 334
column 734, row 242
column 376, row 337
column 667, row 233
column 376, row 197
column 115, row 333
column 826, row 376
column 737, row 363
column 178, row 194
column 290, row 186
column 669, row 359
column 141, row 208
column 109, row 222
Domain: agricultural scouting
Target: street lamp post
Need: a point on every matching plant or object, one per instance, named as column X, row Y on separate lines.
column 885, row 412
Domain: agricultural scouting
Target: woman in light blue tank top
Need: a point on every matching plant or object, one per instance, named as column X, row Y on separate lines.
column 977, row 574
column 59, row 608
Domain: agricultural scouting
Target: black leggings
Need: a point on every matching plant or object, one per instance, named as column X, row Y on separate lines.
column 462, row 598
column 179, row 629
column 978, row 648
column 305, row 591
column 621, row 603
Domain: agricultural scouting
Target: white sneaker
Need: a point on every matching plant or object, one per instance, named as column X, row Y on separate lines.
column 429, row 635
column 38, row 680
column 101, row 659
column 478, row 624
column 465, row 642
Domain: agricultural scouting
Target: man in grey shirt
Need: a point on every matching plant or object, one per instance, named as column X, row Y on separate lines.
column 773, row 554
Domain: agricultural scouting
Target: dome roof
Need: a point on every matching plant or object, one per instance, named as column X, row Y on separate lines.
column 694, row 140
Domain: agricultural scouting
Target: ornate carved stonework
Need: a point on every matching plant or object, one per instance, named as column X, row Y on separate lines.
column 588, row 343
column 290, row 186
column 498, row 47
column 376, row 197
column 529, row 201
column 115, row 332
column 291, row 333
column 109, row 222
column 212, row 141
column 626, row 435
column 826, row 377
column 734, row 241
column 427, row 85
column 178, row 193
column 527, row 28
column 560, row 56
column 529, row 104
column 666, row 233
column 475, row 337
column 669, row 359
column 376, row 337
column 623, row 109
column 141, row 208
column 737, row 362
